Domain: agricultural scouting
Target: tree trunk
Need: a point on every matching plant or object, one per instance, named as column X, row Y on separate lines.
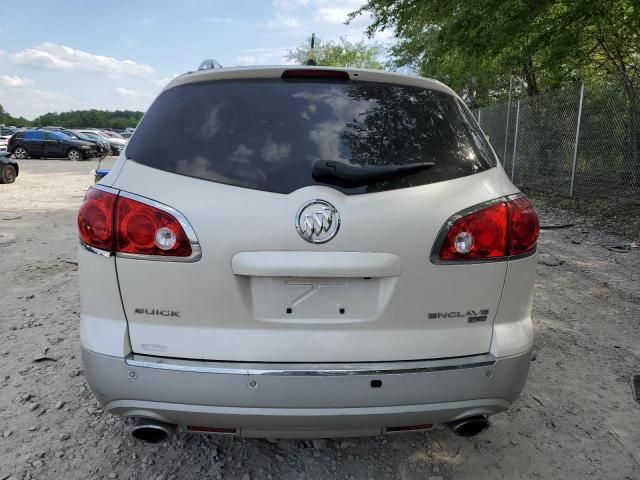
column 530, row 79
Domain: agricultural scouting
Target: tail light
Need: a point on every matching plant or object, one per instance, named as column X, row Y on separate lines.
column 524, row 226
column 95, row 219
column 135, row 227
column 500, row 230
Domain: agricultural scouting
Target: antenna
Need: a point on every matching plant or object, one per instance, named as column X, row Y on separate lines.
column 312, row 52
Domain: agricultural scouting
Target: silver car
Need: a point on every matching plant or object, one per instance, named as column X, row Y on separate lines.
column 306, row 252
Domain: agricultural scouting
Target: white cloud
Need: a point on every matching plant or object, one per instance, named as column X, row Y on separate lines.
column 281, row 22
column 250, row 60
column 162, row 82
column 134, row 94
column 2, row 52
column 53, row 56
column 384, row 35
column 290, row 4
column 226, row 20
column 334, row 16
column 147, row 21
column 14, row 81
column 126, row 92
column 32, row 102
column 264, row 56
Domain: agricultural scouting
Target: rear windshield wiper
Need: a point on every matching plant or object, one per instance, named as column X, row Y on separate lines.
column 330, row 171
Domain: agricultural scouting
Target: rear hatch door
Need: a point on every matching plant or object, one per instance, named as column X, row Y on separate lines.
column 236, row 158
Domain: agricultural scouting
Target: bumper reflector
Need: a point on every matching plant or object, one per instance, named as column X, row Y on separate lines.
column 193, row 428
column 409, row 428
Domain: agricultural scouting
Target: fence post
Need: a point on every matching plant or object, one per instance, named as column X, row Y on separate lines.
column 506, row 133
column 515, row 143
column 575, row 146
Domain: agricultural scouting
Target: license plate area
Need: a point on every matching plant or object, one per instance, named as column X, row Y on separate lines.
column 318, row 300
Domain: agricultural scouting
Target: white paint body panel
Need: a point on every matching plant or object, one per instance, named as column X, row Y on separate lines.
column 513, row 328
column 233, row 303
column 316, row 264
column 103, row 325
column 224, row 316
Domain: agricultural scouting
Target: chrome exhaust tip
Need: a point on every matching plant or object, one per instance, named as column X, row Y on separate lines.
column 470, row 426
column 151, row 431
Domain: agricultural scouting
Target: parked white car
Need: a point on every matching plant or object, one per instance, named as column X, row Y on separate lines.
column 116, row 144
column 5, row 135
column 306, row 252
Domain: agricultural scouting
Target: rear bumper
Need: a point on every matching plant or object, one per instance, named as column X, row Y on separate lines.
column 298, row 400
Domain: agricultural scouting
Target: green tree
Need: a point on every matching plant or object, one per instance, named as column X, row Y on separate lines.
column 342, row 53
column 476, row 46
column 7, row 119
column 90, row 118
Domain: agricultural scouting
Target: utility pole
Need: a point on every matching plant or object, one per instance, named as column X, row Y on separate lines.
column 312, row 52
column 506, row 133
column 575, row 145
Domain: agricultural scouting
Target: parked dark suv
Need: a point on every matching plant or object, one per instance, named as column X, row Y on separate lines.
column 103, row 148
column 49, row 144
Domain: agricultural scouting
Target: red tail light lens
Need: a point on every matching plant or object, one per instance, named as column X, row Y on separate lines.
column 501, row 230
column 118, row 224
column 145, row 230
column 95, row 219
column 488, row 230
column 524, row 226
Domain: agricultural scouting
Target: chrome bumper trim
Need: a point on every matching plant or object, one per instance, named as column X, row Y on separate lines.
column 306, row 369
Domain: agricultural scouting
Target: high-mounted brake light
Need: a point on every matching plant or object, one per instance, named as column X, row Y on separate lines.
column 315, row 73
column 498, row 231
column 118, row 223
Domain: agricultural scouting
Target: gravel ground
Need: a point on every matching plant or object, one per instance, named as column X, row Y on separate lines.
column 575, row 419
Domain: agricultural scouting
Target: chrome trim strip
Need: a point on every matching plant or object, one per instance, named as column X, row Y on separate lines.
column 104, row 188
column 89, row 248
column 310, row 370
column 434, row 256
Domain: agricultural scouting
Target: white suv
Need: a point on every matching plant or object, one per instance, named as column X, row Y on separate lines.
column 306, row 252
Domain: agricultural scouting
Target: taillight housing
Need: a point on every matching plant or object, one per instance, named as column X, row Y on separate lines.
column 505, row 228
column 95, row 219
column 113, row 222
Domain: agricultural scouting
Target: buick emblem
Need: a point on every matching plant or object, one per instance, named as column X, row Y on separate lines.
column 317, row 221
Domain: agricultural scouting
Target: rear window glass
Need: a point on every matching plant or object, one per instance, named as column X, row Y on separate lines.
column 266, row 134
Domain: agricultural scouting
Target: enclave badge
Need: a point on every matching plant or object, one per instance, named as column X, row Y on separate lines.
column 472, row 316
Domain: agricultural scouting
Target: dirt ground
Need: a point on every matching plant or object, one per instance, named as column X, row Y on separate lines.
column 575, row 419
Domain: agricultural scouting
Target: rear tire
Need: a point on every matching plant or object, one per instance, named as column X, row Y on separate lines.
column 8, row 174
column 75, row 155
column 20, row 153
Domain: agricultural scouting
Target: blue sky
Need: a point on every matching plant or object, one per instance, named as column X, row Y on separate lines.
column 74, row 54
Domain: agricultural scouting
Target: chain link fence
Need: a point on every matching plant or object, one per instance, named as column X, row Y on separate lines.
column 575, row 142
